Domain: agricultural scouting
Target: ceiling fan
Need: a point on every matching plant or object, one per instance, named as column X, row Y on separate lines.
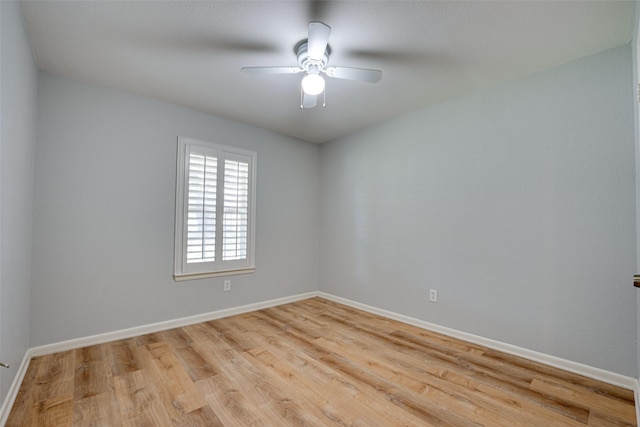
column 313, row 57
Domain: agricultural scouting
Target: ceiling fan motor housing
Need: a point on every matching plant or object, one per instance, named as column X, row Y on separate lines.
column 307, row 63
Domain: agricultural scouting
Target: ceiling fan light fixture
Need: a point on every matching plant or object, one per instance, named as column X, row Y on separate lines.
column 313, row 84
column 313, row 56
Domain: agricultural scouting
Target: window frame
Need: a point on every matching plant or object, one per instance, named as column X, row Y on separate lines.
column 189, row 271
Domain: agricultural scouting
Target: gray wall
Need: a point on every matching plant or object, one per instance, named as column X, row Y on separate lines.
column 517, row 203
column 17, row 139
column 104, row 213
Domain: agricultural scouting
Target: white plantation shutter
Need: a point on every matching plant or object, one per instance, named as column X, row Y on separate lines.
column 236, row 210
column 215, row 210
column 201, row 208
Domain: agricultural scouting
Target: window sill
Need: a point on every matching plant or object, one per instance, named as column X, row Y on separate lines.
column 194, row 276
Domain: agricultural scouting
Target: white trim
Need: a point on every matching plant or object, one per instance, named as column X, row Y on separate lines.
column 163, row 326
column 183, row 277
column 577, row 368
column 15, row 387
column 636, row 394
column 219, row 266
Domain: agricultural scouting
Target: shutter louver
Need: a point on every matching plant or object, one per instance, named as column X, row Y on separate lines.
column 201, row 210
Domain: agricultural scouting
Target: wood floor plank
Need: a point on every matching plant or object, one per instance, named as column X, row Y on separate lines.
column 201, row 417
column 56, row 376
column 326, row 381
column 97, row 410
column 476, row 400
column 570, row 393
column 51, row 397
column 597, row 419
column 231, row 387
column 229, row 404
column 138, row 401
column 341, row 401
column 473, row 367
column 123, row 356
column 510, row 382
column 193, row 361
column 330, row 408
column 276, row 403
column 545, row 371
column 309, row 363
column 423, row 410
column 92, row 372
column 175, row 389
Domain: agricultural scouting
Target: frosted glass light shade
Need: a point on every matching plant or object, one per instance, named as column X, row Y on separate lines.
column 313, row 84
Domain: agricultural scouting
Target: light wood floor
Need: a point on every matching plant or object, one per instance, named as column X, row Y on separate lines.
column 313, row 363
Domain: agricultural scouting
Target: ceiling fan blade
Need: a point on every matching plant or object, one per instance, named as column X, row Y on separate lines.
column 308, row 101
column 361, row 74
column 318, row 40
column 271, row 70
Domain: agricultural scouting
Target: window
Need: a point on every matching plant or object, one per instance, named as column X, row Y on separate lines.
column 215, row 210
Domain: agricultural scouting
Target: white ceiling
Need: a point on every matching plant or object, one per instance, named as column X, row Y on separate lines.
column 190, row 52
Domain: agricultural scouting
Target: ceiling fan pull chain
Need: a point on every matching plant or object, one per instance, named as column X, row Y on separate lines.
column 324, row 97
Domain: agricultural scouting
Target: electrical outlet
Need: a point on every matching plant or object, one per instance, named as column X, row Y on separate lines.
column 433, row 295
column 227, row 285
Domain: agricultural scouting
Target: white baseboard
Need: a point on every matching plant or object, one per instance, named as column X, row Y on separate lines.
column 163, row 326
column 636, row 393
column 15, row 387
column 578, row 368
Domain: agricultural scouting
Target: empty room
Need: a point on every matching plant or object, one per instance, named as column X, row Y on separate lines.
column 320, row 213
